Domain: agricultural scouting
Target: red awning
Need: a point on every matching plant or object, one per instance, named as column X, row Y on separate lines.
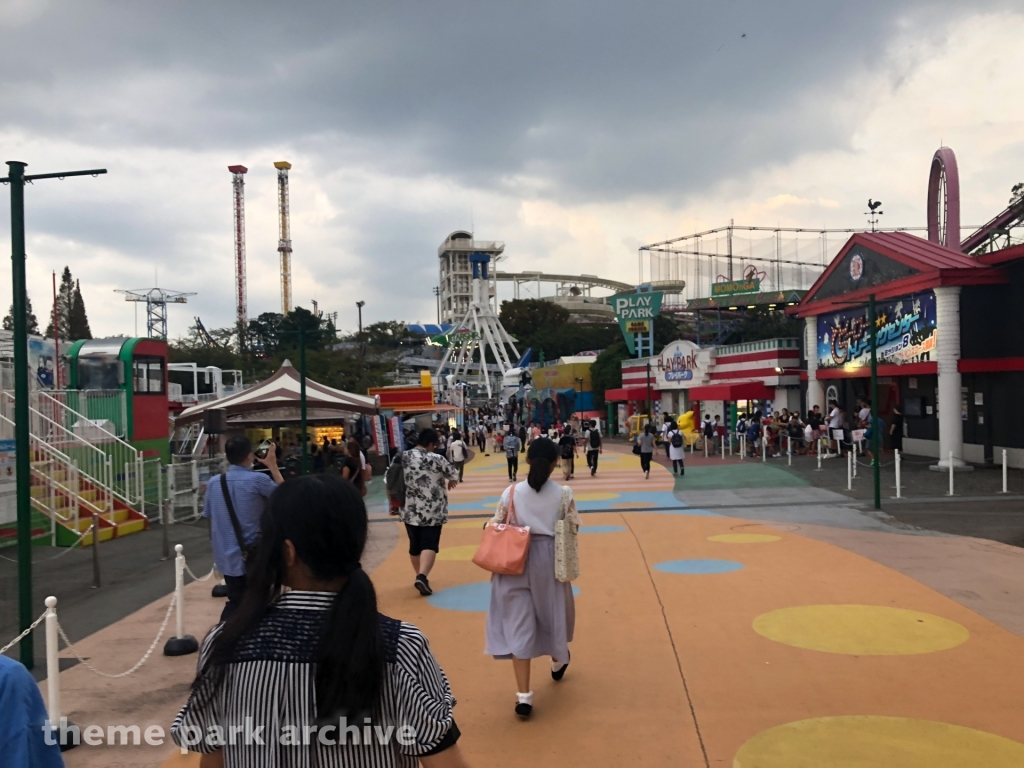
column 743, row 390
column 628, row 393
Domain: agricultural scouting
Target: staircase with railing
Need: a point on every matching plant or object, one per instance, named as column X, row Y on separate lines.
column 80, row 470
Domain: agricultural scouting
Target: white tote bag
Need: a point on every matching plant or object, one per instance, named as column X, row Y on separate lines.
column 567, row 559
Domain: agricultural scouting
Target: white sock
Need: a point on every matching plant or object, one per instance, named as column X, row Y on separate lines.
column 525, row 698
column 556, row 665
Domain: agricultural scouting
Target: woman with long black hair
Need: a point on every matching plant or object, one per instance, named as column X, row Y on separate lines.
column 533, row 614
column 306, row 672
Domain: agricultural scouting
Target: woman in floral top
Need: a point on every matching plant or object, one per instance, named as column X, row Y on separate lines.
column 426, row 503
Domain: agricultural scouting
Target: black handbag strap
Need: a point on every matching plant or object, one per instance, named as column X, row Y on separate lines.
column 231, row 511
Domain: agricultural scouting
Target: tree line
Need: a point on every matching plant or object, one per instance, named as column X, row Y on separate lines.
column 72, row 318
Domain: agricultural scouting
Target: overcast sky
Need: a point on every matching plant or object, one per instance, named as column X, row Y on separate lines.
column 574, row 131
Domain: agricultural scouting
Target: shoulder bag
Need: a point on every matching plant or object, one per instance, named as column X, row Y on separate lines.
column 567, row 559
column 504, row 547
column 247, row 551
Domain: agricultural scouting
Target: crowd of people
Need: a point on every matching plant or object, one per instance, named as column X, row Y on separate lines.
column 301, row 642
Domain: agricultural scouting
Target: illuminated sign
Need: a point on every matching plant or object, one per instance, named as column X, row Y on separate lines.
column 731, row 287
column 905, row 332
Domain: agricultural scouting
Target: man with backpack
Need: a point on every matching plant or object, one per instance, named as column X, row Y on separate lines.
column 592, row 437
column 567, row 452
column 676, row 449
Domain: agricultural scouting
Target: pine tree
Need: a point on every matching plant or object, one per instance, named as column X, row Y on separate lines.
column 65, row 299
column 79, row 319
column 33, row 323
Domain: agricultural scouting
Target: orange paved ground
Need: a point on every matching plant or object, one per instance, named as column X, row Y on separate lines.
column 803, row 655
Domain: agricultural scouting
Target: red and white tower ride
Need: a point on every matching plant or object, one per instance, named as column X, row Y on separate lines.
column 242, row 315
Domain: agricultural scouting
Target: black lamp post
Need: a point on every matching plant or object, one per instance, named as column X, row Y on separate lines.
column 16, row 178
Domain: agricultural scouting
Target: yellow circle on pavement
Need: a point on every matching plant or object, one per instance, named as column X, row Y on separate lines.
column 857, row 741
column 465, row 552
column 744, row 538
column 861, row 630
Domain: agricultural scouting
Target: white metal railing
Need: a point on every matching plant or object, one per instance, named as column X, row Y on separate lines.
column 122, row 453
column 60, row 477
column 93, row 405
column 101, row 466
column 186, row 486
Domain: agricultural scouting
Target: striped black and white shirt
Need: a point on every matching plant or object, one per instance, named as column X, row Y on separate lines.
column 263, row 713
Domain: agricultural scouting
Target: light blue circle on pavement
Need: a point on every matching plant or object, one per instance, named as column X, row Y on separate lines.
column 602, row 528
column 693, row 567
column 475, row 597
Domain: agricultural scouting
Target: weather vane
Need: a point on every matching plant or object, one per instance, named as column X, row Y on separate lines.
column 873, row 213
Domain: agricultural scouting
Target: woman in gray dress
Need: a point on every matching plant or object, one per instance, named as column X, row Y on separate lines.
column 533, row 614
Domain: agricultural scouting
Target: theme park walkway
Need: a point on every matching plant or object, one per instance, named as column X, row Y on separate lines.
column 722, row 624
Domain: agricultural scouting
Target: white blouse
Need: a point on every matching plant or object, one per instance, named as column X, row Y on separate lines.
column 537, row 509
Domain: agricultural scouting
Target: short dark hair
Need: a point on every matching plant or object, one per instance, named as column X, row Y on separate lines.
column 427, row 437
column 237, row 449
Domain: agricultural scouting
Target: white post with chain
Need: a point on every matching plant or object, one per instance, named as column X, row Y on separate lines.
column 52, row 663
column 181, row 644
column 950, row 473
column 898, row 478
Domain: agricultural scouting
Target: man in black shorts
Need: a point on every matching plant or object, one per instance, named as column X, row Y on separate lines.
column 426, row 503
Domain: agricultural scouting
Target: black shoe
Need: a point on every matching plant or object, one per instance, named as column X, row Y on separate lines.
column 524, row 710
column 423, row 585
column 558, row 674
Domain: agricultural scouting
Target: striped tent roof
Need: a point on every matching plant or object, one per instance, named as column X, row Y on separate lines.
column 277, row 399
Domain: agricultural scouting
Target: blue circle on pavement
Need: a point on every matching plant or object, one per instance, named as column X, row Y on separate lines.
column 698, row 566
column 475, row 597
column 602, row 528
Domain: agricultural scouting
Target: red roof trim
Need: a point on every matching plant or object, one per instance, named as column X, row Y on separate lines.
column 1003, row 256
column 864, row 371
column 628, row 393
column 746, row 373
column 745, row 390
column 937, row 265
column 990, row 364
column 771, row 354
column 903, row 287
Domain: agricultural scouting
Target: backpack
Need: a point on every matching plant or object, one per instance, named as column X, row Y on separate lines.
column 677, row 439
column 394, row 483
column 567, row 450
column 595, row 439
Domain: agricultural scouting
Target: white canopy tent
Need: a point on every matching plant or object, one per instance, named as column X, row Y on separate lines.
column 277, row 401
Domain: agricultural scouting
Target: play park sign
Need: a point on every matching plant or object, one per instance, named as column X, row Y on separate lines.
column 635, row 313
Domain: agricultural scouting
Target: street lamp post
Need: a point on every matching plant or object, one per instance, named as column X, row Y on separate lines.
column 16, row 178
column 579, row 380
column 362, row 345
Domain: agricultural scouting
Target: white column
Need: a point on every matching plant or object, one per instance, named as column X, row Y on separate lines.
column 947, row 353
column 815, row 392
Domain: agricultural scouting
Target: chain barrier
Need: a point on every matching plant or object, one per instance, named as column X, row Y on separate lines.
column 67, row 549
column 23, row 635
column 207, row 577
column 143, row 660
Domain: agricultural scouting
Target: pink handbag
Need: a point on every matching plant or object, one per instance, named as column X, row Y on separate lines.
column 504, row 547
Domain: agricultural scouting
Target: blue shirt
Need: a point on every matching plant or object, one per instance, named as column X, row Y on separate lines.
column 22, row 737
column 249, row 493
